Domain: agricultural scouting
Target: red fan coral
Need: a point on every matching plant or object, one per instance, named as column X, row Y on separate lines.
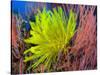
column 86, row 38
column 83, row 54
column 14, row 31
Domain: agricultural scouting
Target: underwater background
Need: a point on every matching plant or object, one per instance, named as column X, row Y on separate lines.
column 82, row 52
